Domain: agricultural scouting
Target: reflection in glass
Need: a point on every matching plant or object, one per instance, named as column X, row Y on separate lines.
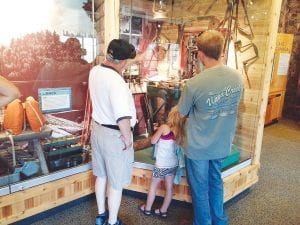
column 47, row 44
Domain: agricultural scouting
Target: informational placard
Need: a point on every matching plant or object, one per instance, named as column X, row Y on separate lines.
column 284, row 45
column 283, row 64
column 55, row 99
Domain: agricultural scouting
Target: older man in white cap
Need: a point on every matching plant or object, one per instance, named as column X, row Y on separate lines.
column 114, row 116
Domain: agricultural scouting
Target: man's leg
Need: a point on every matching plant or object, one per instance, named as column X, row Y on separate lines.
column 100, row 191
column 197, row 174
column 216, row 193
column 99, row 172
column 114, row 201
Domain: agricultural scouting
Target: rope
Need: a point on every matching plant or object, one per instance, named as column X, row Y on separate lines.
column 36, row 114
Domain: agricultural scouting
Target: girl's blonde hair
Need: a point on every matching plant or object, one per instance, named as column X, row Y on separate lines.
column 177, row 125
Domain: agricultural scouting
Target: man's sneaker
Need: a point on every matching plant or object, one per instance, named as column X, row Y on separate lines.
column 119, row 222
column 101, row 218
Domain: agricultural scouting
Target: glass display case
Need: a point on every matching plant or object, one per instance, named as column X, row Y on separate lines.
column 46, row 49
column 168, row 41
column 171, row 57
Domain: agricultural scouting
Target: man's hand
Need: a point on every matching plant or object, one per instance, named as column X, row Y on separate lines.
column 127, row 143
column 126, row 134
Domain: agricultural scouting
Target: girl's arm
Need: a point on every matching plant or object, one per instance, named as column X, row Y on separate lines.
column 162, row 130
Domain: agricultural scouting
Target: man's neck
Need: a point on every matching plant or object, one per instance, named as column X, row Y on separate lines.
column 211, row 63
column 117, row 67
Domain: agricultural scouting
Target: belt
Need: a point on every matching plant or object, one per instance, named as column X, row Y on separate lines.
column 114, row 127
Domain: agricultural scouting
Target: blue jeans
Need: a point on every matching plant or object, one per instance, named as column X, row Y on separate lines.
column 206, row 184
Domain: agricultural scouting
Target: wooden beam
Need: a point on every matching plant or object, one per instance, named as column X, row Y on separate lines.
column 273, row 27
column 111, row 20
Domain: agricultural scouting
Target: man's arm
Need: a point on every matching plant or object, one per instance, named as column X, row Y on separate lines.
column 8, row 92
column 139, row 57
column 185, row 102
column 124, row 125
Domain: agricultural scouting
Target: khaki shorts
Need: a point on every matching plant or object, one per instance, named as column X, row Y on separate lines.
column 108, row 157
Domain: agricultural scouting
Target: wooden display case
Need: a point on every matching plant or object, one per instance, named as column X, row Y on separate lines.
column 28, row 200
column 274, row 107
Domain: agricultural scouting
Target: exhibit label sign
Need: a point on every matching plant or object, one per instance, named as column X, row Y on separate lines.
column 55, row 99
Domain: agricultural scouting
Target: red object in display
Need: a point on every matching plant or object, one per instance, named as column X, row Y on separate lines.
column 34, row 116
column 14, row 117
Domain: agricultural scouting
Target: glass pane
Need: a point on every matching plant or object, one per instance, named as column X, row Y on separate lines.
column 46, row 49
column 171, row 58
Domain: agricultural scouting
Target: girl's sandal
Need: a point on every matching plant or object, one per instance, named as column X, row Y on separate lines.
column 143, row 210
column 161, row 214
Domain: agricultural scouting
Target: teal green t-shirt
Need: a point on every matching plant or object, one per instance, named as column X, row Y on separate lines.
column 211, row 99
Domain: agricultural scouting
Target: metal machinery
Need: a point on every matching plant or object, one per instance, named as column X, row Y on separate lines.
column 21, row 156
column 192, row 64
column 62, row 153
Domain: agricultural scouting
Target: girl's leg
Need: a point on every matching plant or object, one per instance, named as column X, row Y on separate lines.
column 152, row 193
column 168, row 194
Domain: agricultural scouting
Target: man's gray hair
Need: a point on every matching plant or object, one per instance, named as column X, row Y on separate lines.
column 110, row 58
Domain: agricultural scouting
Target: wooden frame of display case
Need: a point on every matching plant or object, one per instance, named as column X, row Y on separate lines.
column 29, row 201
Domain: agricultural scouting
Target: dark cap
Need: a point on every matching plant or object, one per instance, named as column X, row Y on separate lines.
column 121, row 49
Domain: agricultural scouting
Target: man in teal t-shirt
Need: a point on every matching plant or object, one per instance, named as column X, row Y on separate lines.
column 210, row 100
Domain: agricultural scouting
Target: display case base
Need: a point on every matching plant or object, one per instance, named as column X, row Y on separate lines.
column 22, row 204
column 233, row 184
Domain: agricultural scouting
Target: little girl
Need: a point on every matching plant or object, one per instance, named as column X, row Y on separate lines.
column 166, row 137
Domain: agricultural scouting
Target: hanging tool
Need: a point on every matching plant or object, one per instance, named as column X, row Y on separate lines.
column 231, row 5
column 250, row 60
column 243, row 31
column 228, row 17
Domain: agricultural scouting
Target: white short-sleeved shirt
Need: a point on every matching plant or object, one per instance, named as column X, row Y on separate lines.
column 111, row 98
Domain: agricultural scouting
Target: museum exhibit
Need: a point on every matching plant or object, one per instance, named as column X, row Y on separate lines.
column 49, row 47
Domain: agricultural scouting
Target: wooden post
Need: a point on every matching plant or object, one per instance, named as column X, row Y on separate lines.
column 111, row 21
column 268, row 62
